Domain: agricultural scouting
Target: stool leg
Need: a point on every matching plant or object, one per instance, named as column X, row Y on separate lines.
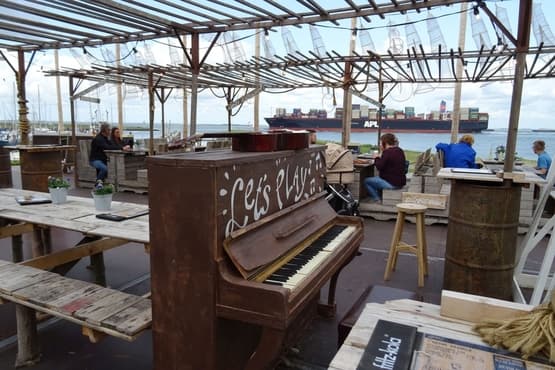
column 424, row 244
column 420, row 249
column 392, row 258
column 401, row 217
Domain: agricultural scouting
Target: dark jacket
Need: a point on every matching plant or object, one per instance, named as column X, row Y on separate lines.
column 99, row 144
column 392, row 166
column 459, row 155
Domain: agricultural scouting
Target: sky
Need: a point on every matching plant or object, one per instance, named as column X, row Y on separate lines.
column 537, row 109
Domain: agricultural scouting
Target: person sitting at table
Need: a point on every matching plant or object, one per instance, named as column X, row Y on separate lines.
column 97, row 157
column 459, row 155
column 544, row 159
column 115, row 138
column 391, row 165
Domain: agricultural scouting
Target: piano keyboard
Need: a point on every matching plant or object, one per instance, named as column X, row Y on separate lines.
column 300, row 266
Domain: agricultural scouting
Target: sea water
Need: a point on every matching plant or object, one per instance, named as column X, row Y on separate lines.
column 485, row 143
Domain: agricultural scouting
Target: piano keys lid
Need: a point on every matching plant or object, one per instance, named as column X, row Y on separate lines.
column 262, row 243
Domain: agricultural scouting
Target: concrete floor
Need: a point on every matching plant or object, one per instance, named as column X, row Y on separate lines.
column 127, row 268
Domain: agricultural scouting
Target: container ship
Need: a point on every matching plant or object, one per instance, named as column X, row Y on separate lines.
column 365, row 119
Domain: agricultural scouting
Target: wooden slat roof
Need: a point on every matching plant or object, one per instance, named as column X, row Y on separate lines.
column 51, row 24
column 301, row 71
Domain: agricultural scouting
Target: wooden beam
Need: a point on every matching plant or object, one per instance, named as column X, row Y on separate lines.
column 16, row 229
column 52, row 260
column 474, row 308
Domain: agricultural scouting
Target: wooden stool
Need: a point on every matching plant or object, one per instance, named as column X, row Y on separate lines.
column 397, row 245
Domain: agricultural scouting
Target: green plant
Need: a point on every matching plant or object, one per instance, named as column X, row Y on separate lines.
column 103, row 189
column 57, row 182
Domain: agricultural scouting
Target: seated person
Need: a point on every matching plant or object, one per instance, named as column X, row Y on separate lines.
column 392, row 168
column 459, row 155
column 544, row 159
column 115, row 138
column 97, row 157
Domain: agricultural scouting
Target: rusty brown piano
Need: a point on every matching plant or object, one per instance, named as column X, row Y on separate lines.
column 241, row 244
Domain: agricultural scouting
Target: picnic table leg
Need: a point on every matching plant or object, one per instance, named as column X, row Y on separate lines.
column 28, row 349
column 97, row 265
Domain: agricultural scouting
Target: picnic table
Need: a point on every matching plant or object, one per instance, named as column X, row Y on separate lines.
column 32, row 286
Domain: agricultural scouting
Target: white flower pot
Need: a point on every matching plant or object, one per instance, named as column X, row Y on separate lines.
column 58, row 195
column 102, row 202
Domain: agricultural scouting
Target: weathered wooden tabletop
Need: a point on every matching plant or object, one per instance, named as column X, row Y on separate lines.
column 78, row 214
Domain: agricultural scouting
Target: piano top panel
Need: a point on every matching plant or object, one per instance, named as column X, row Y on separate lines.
column 221, row 158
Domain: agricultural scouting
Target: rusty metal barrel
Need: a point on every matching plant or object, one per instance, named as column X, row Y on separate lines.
column 5, row 168
column 37, row 166
column 481, row 238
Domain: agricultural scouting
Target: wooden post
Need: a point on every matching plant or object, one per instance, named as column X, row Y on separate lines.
column 73, row 136
column 347, row 99
column 455, row 116
column 380, row 99
column 524, row 20
column 58, row 94
column 162, row 103
column 119, row 92
column 28, row 349
column 195, row 69
column 228, row 108
column 185, row 115
column 22, row 99
column 151, row 111
column 257, row 82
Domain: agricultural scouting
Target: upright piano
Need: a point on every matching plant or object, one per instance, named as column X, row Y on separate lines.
column 241, row 244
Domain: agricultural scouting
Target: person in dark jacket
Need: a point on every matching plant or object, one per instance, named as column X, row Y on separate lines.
column 97, row 157
column 459, row 155
column 391, row 165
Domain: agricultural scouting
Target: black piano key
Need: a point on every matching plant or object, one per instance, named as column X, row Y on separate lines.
column 273, row 282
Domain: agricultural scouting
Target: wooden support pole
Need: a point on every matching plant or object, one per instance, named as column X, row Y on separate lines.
column 58, row 94
column 256, row 106
column 195, row 69
column 523, row 41
column 22, row 99
column 163, row 111
column 151, row 106
column 76, row 153
column 347, row 100
column 119, row 91
column 455, row 116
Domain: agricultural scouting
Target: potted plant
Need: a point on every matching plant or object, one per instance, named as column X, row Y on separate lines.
column 102, row 195
column 57, row 187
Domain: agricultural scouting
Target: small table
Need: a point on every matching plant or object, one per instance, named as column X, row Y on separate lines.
column 124, row 164
column 38, row 162
column 362, row 171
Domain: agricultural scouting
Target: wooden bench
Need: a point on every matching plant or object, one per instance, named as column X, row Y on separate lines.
column 372, row 294
column 97, row 309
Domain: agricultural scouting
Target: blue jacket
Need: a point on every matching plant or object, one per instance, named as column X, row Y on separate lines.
column 459, row 155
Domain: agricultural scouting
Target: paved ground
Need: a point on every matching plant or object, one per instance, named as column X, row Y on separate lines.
column 64, row 348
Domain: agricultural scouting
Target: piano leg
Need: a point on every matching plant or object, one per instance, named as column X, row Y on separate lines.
column 328, row 309
column 268, row 349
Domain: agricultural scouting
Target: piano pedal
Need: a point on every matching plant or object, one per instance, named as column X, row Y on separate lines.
column 326, row 310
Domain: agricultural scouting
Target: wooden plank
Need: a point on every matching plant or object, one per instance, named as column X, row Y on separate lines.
column 106, row 307
column 78, row 299
column 50, row 290
column 21, row 280
column 69, row 318
column 474, row 308
column 132, row 319
column 52, row 260
column 436, row 201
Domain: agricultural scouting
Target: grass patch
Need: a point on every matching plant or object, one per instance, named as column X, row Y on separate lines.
column 15, row 162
